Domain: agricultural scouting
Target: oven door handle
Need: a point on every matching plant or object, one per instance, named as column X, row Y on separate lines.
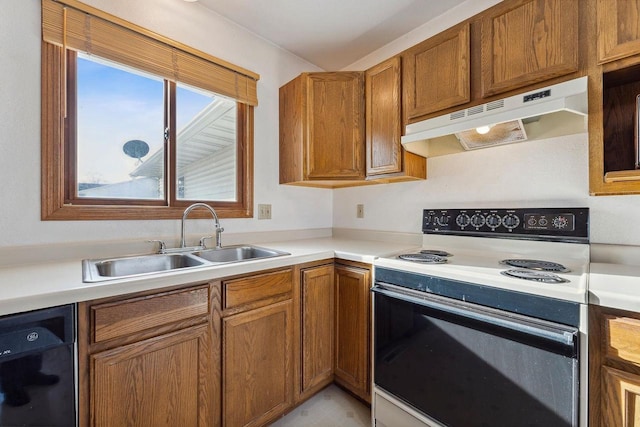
column 563, row 336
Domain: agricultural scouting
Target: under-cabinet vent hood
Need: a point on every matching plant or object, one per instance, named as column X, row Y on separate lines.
column 548, row 112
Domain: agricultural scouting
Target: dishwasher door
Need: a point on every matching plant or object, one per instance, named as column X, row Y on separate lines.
column 37, row 368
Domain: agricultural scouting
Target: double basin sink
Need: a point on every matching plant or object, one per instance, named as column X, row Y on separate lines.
column 131, row 266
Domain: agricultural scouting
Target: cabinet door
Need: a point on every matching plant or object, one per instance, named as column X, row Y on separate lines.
column 317, row 325
column 383, row 118
column 621, row 398
column 335, row 118
column 436, row 73
column 162, row 381
column 352, row 329
column 526, row 42
column 618, row 29
column 257, row 370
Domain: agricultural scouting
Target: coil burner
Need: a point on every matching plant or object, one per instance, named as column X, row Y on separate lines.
column 534, row 275
column 534, row 264
column 435, row 252
column 424, row 258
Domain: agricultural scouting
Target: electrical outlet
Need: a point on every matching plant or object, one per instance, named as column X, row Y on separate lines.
column 264, row 211
column 360, row 211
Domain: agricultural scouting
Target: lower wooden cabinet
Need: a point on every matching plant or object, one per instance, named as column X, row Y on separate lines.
column 614, row 360
column 353, row 319
column 162, row 381
column 257, row 365
column 317, row 315
column 150, row 359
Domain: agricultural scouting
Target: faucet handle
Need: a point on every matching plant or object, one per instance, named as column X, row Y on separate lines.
column 162, row 246
column 202, row 239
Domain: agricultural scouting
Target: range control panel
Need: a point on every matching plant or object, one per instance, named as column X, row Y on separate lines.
column 559, row 224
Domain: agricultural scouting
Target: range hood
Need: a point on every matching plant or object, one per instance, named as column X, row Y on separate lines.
column 549, row 112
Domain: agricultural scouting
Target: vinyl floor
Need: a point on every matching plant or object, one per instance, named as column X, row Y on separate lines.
column 332, row 407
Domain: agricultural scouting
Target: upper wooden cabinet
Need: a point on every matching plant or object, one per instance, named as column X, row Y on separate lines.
column 322, row 128
column 436, row 72
column 618, row 29
column 385, row 156
column 528, row 41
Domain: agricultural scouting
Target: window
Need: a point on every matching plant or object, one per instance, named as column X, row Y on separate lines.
column 136, row 126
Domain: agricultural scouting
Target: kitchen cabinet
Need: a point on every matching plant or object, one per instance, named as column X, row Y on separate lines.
column 614, row 358
column 528, row 41
column 385, row 157
column 322, row 129
column 150, row 359
column 352, row 329
column 317, row 320
column 436, row 72
column 618, row 29
column 257, row 332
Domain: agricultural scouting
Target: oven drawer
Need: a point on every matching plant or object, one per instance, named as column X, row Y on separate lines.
column 389, row 414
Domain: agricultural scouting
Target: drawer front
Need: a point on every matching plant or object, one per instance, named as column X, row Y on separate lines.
column 622, row 338
column 246, row 290
column 118, row 319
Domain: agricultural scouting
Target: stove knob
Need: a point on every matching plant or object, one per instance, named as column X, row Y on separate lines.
column 442, row 220
column 511, row 221
column 493, row 221
column 560, row 222
column 463, row 220
column 477, row 220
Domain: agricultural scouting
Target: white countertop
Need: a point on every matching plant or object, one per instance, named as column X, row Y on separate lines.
column 32, row 286
column 615, row 285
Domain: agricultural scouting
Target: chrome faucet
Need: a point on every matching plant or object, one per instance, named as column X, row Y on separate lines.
column 219, row 229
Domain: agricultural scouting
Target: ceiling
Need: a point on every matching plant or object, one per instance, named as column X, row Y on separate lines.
column 331, row 34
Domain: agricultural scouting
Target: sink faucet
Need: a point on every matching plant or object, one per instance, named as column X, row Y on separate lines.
column 219, row 229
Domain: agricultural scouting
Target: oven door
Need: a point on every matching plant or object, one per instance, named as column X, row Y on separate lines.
column 463, row 365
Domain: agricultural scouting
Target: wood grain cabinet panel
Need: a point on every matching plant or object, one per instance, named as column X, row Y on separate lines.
column 622, row 339
column 162, row 381
column 436, row 72
column 322, row 128
column 352, row 329
column 618, row 29
column 248, row 292
column 621, row 398
column 528, row 41
column 386, row 159
column 317, row 328
column 257, row 365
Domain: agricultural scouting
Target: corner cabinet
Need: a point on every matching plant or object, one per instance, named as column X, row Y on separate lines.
column 383, row 117
column 322, row 129
column 353, row 320
column 436, row 73
column 317, row 320
column 526, row 42
column 614, row 359
column 150, row 359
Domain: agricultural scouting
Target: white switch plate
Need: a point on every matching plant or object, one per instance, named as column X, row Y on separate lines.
column 264, row 211
column 360, row 211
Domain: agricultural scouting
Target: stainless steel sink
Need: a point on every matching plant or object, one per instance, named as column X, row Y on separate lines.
column 96, row 270
column 237, row 253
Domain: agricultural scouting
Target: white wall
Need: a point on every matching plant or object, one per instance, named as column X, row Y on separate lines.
column 547, row 173
column 190, row 23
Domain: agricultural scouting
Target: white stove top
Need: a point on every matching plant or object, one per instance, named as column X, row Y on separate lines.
column 477, row 260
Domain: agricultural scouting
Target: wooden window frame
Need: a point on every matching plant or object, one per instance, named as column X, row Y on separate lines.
column 58, row 193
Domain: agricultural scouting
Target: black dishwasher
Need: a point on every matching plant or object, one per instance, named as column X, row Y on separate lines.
column 37, row 366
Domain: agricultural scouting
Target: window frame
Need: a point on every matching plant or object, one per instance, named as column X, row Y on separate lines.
column 58, row 156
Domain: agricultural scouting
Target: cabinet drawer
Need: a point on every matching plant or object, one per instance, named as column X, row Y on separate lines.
column 250, row 289
column 117, row 319
column 622, row 338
